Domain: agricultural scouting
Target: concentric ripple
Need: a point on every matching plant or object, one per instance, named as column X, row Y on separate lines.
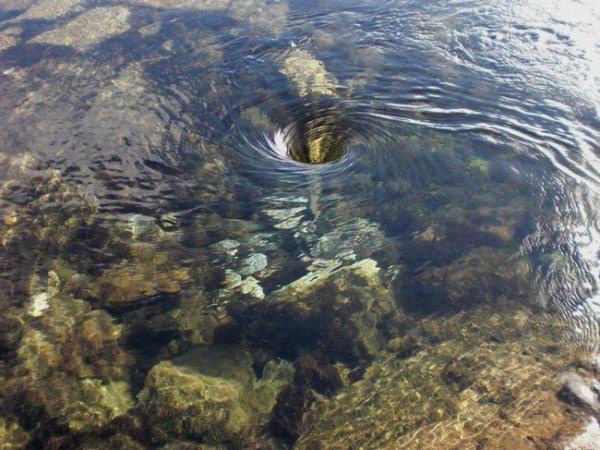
column 428, row 96
column 414, row 115
column 180, row 174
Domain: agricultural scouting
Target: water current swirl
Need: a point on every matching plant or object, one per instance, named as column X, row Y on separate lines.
column 178, row 164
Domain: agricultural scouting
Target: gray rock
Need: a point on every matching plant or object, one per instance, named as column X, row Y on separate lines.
column 253, row 263
column 576, row 391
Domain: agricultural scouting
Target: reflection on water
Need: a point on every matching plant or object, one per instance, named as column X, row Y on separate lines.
column 286, row 224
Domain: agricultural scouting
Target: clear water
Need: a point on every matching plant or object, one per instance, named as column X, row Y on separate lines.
column 299, row 224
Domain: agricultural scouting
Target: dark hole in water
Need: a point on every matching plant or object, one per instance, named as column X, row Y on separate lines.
column 317, row 141
column 318, row 150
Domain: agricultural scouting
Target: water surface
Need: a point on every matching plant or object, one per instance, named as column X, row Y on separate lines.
column 299, row 224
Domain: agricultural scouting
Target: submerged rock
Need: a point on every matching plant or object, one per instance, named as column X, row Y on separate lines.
column 286, row 218
column 16, row 4
column 290, row 419
column 589, row 439
column 89, row 29
column 137, row 280
column 200, row 5
column 342, row 312
column 51, row 9
column 70, row 364
column 234, row 282
column 9, row 38
column 258, row 118
column 482, row 275
column 253, row 263
column 12, row 435
column 198, row 316
column 45, row 216
column 262, row 15
column 486, row 380
column 358, row 238
column 308, row 74
column 210, row 394
column 575, row 390
column 51, row 215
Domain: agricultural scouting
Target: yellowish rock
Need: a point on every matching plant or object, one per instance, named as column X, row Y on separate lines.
column 70, row 365
column 12, row 436
column 129, row 282
column 89, row 29
column 200, row 5
column 268, row 16
column 210, row 393
column 493, row 383
column 7, row 40
column 50, row 9
column 308, row 74
column 16, row 4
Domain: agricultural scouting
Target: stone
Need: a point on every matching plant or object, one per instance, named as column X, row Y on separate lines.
column 289, row 416
column 16, row 4
column 404, row 346
column 482, row 275
column 308, row 74
column 575, row 390
column 198, row 316
column 199, row 5
column 343, row 311
column 318, row 374
column 258, row 119
column 234, row 282
column 169, row 222
column 39, row 304
column 89, row 29
column 129, row 282
column 181, row 403
column 7, row 40
column 253, row 263
column 490, row 385
column 263, row 16
column 250, row 286
column 43, row 224
column 228, row 246
column 286, row 218
column 70, row 364
column 211, row 394
column 358, row 238
column 588, row 439
column 51, row 9
column 12, row 435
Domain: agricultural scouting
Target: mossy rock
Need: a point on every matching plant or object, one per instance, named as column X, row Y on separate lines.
column 210, row 394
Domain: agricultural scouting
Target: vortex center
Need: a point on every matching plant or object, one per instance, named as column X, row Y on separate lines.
column 316, row 142
column 317, row 150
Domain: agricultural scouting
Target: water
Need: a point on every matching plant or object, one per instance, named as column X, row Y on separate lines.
column 299, row 224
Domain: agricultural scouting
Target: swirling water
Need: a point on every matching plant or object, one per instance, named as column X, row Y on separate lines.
column 155, row 207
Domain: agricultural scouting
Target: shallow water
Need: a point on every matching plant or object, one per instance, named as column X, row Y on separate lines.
column 307, row 224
